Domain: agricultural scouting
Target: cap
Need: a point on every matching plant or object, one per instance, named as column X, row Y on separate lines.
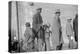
column 27, row 24
column 39, row 9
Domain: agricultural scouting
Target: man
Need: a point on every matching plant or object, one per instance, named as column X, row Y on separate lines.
column 37, row 23
column 37, row 19
column 56, row 30
column 75, row 27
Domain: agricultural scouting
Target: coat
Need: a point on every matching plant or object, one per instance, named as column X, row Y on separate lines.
column 55, row 37
column 69, row 29
column 37, row 22
column 75, row 27
column 28, row 42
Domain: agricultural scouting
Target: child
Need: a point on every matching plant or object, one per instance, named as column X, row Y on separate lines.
column 28, row 42
column 47, row 37
column 69, row 32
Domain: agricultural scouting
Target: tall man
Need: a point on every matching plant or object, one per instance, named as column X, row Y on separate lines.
column 37, row 20
column 37, row 23
column 56, row 30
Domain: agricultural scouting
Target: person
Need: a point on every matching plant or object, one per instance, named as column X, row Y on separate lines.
column 69, row 32
column 47, row 37
column 56, row 30
column 37, row 20
column 36, row 24
column 75, row 27
column 41, row 39
column 28, row 43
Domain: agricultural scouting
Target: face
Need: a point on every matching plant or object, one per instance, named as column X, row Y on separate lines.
column 38, row 11
column 27, row 25
column 69, row 21
column 58, row 14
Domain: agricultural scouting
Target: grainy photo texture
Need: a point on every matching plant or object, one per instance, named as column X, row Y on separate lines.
column 36, row 27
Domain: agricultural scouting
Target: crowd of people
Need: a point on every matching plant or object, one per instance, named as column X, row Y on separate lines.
column 39, row 36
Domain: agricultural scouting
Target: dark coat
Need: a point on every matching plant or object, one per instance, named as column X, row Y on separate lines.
column 37, row 21
column 75, row 27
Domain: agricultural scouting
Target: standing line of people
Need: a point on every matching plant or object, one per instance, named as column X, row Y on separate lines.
column 37, row 38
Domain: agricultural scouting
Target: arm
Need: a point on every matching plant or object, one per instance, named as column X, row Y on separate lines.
column 26, row 35
column 59, row 23
column 35, row 19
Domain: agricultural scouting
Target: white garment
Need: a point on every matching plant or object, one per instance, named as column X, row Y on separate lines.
column 69, row 30
column 55, row 33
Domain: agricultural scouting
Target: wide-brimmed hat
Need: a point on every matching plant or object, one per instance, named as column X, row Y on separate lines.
column 57, row 11
column 69, row 19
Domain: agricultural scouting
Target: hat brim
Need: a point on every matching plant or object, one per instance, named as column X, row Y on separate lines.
column 39, row 9
column 57, row 12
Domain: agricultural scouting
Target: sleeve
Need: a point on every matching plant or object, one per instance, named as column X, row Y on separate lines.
column 40, row 19
column 59, row 22
column 66, row 29
column 35, row 19
column 74, row 25
column 26, row 35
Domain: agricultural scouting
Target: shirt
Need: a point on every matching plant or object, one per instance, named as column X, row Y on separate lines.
column 69, row 30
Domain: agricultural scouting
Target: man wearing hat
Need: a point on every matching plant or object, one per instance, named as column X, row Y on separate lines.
column 37, row 23
column 37, row 19
column 56, row 30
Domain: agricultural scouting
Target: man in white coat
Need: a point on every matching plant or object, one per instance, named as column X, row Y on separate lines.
column 56, row 30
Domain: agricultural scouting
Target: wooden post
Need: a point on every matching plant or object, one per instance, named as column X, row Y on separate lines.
column 18, row 24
